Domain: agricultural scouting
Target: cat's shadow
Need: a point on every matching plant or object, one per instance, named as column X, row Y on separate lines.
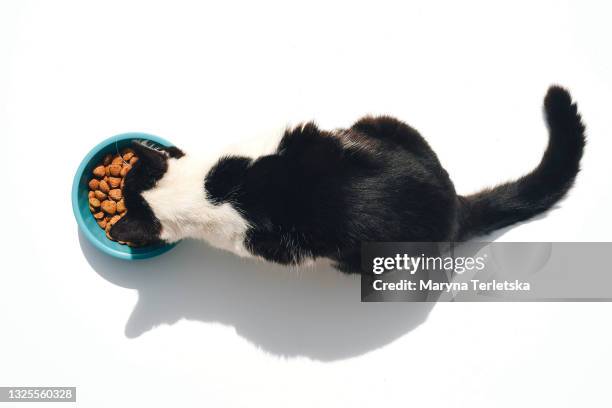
column 312, row 312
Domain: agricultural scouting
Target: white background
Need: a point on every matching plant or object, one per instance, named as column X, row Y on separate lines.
column 198, row 327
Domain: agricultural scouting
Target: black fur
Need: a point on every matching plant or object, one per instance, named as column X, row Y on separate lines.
column 316, row 198
column 322, row 194
column 173, row 152
column 140, row 226
column 539, row 190
column 225, row 178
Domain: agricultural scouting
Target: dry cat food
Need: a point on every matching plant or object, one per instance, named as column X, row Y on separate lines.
column 106, row 189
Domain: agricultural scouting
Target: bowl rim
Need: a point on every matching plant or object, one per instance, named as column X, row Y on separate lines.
column 75, row 202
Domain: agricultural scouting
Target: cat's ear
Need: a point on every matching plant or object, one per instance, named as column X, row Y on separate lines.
column 174, row 152
column 136, row 230
column 150, row 156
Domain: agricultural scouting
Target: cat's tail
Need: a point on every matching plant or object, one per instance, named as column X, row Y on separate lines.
column 536, row 192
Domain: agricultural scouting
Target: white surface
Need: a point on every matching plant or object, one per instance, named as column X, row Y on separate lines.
column 469, row 75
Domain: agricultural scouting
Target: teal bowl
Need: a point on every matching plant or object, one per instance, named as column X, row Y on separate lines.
column 80, row 199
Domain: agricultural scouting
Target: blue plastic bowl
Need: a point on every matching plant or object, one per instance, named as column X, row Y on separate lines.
column 80, row 199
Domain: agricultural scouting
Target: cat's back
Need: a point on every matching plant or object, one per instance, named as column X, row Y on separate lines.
column 350, row 183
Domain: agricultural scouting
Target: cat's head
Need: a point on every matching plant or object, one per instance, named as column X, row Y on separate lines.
column 140, row 226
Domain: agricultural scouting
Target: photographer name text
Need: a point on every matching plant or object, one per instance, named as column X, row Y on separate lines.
column 431, row 285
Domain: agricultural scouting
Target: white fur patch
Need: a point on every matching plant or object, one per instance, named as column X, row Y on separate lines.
column 179, row 199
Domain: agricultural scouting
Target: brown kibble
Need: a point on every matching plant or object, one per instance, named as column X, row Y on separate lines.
column 103, row 185
column 100, row 195
column 125, row 169
column 94, row 202
column 114, row 182
column 115, row 194
column 114, row 170
column 99, row 171
column 108, row 227
column 105, row 194
column 108, row 206
column 121, row 207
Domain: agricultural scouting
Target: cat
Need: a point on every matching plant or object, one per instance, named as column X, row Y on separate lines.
column 322, row 193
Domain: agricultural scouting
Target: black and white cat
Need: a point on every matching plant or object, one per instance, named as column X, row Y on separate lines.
column 321, row 193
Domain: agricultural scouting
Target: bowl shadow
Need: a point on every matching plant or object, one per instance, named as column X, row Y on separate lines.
column 311, row 312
